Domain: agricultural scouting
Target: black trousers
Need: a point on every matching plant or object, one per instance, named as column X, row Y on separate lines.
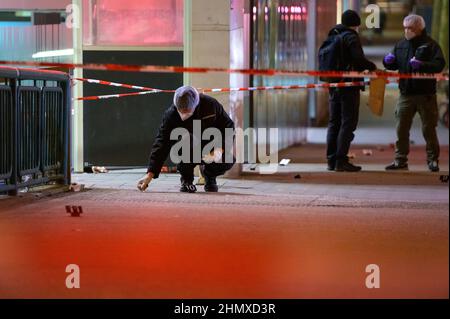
column 210, row 170
column 344, row 114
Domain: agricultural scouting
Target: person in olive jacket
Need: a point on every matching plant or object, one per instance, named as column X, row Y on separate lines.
column 417, row 53
column 189, row 109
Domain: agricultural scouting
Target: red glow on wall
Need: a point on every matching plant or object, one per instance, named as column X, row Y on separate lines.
column 133, row 22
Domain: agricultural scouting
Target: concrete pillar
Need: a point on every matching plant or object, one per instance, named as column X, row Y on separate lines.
column 77, row 106
column 312, row 54
column 344, row 5
column 355, row 5
column 207, row 37
column 339, row 10
column 239, row 59
column 207, row 43
column 443, row 32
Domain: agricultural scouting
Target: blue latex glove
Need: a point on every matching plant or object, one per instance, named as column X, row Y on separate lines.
column 415, row 64
column 389, row 59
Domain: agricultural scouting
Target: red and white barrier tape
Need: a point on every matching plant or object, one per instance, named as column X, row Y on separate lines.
column 286, row 87
column 128, row 86
column 112, row 96
column 256, row 88
column 267, row 72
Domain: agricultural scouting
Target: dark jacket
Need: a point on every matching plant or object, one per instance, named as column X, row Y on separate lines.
column 425, row 49
column 354, row 57
column 211, row 114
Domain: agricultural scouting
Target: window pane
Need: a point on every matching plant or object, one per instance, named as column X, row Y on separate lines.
column 133, row 22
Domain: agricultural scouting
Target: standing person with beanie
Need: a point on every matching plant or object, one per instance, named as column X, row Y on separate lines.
column 190, row 106
column 416, row 53
column 344, row 102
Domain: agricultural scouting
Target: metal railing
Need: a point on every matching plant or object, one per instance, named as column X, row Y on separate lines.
column 34, row 128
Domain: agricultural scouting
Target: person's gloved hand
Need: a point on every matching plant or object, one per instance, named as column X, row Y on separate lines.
column 389, row 59
column 144, row 182
column 415, row 64
column 215, row 156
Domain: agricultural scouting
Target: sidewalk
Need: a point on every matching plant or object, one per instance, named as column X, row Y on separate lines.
column 259, row 237
column 255, row 239
column 308, row 165
column 270, row 189
column 307, row 178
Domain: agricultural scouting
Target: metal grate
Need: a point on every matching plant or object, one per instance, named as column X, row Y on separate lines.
column 34, row 129
column 53, row 128
column 6, row 136
column 28, row 116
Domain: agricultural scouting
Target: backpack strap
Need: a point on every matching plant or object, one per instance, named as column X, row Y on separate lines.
column 341, row 35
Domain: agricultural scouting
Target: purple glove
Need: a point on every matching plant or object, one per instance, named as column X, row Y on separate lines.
column 389, row 59
column 415, row 64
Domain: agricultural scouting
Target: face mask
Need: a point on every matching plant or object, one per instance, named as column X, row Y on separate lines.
column 185, row 116
column 409, row 35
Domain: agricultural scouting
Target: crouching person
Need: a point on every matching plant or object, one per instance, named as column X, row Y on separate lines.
column 191, row 117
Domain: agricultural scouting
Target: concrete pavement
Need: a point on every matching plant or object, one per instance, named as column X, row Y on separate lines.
column 259, row 237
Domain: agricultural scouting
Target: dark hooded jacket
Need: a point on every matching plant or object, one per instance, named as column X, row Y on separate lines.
column 424, row 49
column 354, row 56
column 211, row 114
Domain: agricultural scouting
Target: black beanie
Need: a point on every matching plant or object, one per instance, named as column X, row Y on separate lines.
column 351, row 19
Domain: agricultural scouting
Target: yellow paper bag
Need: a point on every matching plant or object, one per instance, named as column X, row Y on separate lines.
column 376, row 95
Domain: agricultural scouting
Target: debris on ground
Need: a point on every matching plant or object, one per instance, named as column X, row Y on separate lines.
column 367, row 152
column 285, row 162
column 99, row 169
column 74, row 187
column 25, row 179
column 169, row 169
column 92, row 169
column 74, row 211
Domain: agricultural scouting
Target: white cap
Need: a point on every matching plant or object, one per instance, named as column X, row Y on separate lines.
column 186, row 98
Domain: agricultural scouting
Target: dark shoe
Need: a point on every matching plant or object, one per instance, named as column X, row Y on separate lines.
column 331, row 165
column 211, row 188
column 211, row 185
column 210, row 182
column 187, row 185
column 188, row 188
column 396, row 166
column 347, row 167
column 433, row 166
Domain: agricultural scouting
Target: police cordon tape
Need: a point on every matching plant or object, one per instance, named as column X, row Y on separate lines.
column 128, row 86
column 265, row 72
column 255, row 88
column 112, row 96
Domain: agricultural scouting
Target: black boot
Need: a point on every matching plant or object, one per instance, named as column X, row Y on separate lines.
column 331, row 165
column 211, row 185
column 187, row 186
column 210, row 182
column 397, row 166
column 346, row 166
column 433, row 166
